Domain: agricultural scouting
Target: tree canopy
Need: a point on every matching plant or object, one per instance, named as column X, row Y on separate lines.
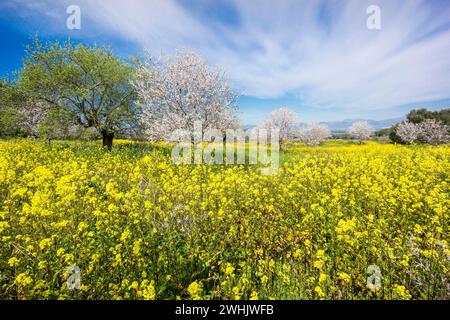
column 86, row 84
column 420, row 123
column 177, row 92
column 10, row 101
column 420, row 115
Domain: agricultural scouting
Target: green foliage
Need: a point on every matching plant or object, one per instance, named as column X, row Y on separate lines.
column 57, row 124
column 9, row 122
column 89, row 83
column 383, row 132
column 420, row 115
column 393, row 135
column 10, row 100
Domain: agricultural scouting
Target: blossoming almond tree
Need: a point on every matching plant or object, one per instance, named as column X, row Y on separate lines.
column 32, row 114
column 408, row 132
column 314, row 134
column 428, row 131
column 175, row 93
column 361, row 130
column 284, row 119
column 434, row 132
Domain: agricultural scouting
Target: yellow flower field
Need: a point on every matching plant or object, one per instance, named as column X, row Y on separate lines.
column 339, row 221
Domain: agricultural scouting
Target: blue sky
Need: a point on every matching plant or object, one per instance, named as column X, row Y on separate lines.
column 314, row 56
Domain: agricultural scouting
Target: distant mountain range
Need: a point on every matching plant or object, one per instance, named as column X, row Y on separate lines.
column 343, row 125
column 376, row 124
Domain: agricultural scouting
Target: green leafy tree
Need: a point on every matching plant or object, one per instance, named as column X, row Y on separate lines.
column 420, row 115
column 393, row 136
column 10, row 100
column 444, row 116
column 59, row 123
column 87, row 84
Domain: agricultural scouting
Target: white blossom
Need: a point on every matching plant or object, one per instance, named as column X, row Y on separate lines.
column 284, row 119
column 32, row 114
column 408, row 132
column 314, row 134
column 434, row 132
column 174, row 93
column 361, row 130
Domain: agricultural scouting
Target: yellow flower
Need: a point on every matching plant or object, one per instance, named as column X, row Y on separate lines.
column 323, row 277
column 23, row 280
column 125, row 235
column 194, row 290
column 137, row 247
column 318, row 290
column 95, row 257
column 401, row 292
column 135, row 213
column 297, row 253
column 117, row 260
column 69, row 258
column 60, row 252
column 229, row 270
column 45, row 243
column 344, row 277
column 81, row 226
column 148, row 290
column 254, row 295
column 405, row 261
column 13, row 261
column 3, row 225
column 320, row 254
column 264, row 279
column 318, row 264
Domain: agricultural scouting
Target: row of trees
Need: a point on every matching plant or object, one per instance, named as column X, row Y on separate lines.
column 74, row 91
column 287, row 121
column 422, row 126
column 429, row 131
column 65, row 90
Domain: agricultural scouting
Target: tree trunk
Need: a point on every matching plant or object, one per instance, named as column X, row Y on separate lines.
column 107, row 139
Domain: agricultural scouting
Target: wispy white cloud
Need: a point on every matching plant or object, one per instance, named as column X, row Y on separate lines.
column 319, row 50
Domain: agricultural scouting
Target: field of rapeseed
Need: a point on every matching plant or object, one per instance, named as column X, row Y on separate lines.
column 335, row 218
